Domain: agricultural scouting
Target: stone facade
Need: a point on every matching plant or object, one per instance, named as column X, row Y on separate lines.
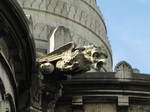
column 120, row 91
column 17, row 57
column 46, row 78
column 82, row 17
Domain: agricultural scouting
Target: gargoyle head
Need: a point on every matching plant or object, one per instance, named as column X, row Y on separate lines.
column 97, row 56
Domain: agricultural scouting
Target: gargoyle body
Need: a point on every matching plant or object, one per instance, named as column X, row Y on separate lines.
column 70, row 60
column 57, row 65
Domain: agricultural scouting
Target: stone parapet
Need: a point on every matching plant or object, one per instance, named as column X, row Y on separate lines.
column 107, row 92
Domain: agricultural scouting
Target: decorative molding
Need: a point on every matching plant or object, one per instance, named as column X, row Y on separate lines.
column 99, row 35
column 95, row 25
column 6, row 96
column 67, row 10
column 9, row 71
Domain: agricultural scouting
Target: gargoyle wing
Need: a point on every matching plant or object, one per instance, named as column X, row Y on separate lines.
column 57, row 54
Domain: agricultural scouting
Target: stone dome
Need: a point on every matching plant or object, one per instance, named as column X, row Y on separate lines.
column 82, row 17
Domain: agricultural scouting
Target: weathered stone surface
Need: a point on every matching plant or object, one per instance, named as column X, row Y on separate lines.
column 77, row 100
column 123, row 70
column 100, row 108
column 7, row 91
column 135, row 70
column 81, row 17
column 17, row 57
column 57, row 65
column 139, row 108
column 38, row 90
column 123, row 100
column 71, row 60
column 125, row 94
column 59, row 37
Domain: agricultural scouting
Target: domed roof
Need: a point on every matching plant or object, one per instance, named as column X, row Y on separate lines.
column 82, row 17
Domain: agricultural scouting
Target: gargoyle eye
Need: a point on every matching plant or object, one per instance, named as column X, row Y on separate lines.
column 89, row 53
column 96, row 55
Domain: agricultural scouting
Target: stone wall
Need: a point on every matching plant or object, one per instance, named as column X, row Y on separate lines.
column 106, row 92
column 7, row 87
column 82, row 17
column 17, row 57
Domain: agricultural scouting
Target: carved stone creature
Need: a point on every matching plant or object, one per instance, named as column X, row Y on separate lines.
column 71, row 60
column 57, row 65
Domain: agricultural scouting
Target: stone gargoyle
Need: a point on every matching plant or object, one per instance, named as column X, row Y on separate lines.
column 71, row 60
column 58, row 65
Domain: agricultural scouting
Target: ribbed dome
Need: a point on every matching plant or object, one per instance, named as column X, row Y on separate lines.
column 82, row 17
